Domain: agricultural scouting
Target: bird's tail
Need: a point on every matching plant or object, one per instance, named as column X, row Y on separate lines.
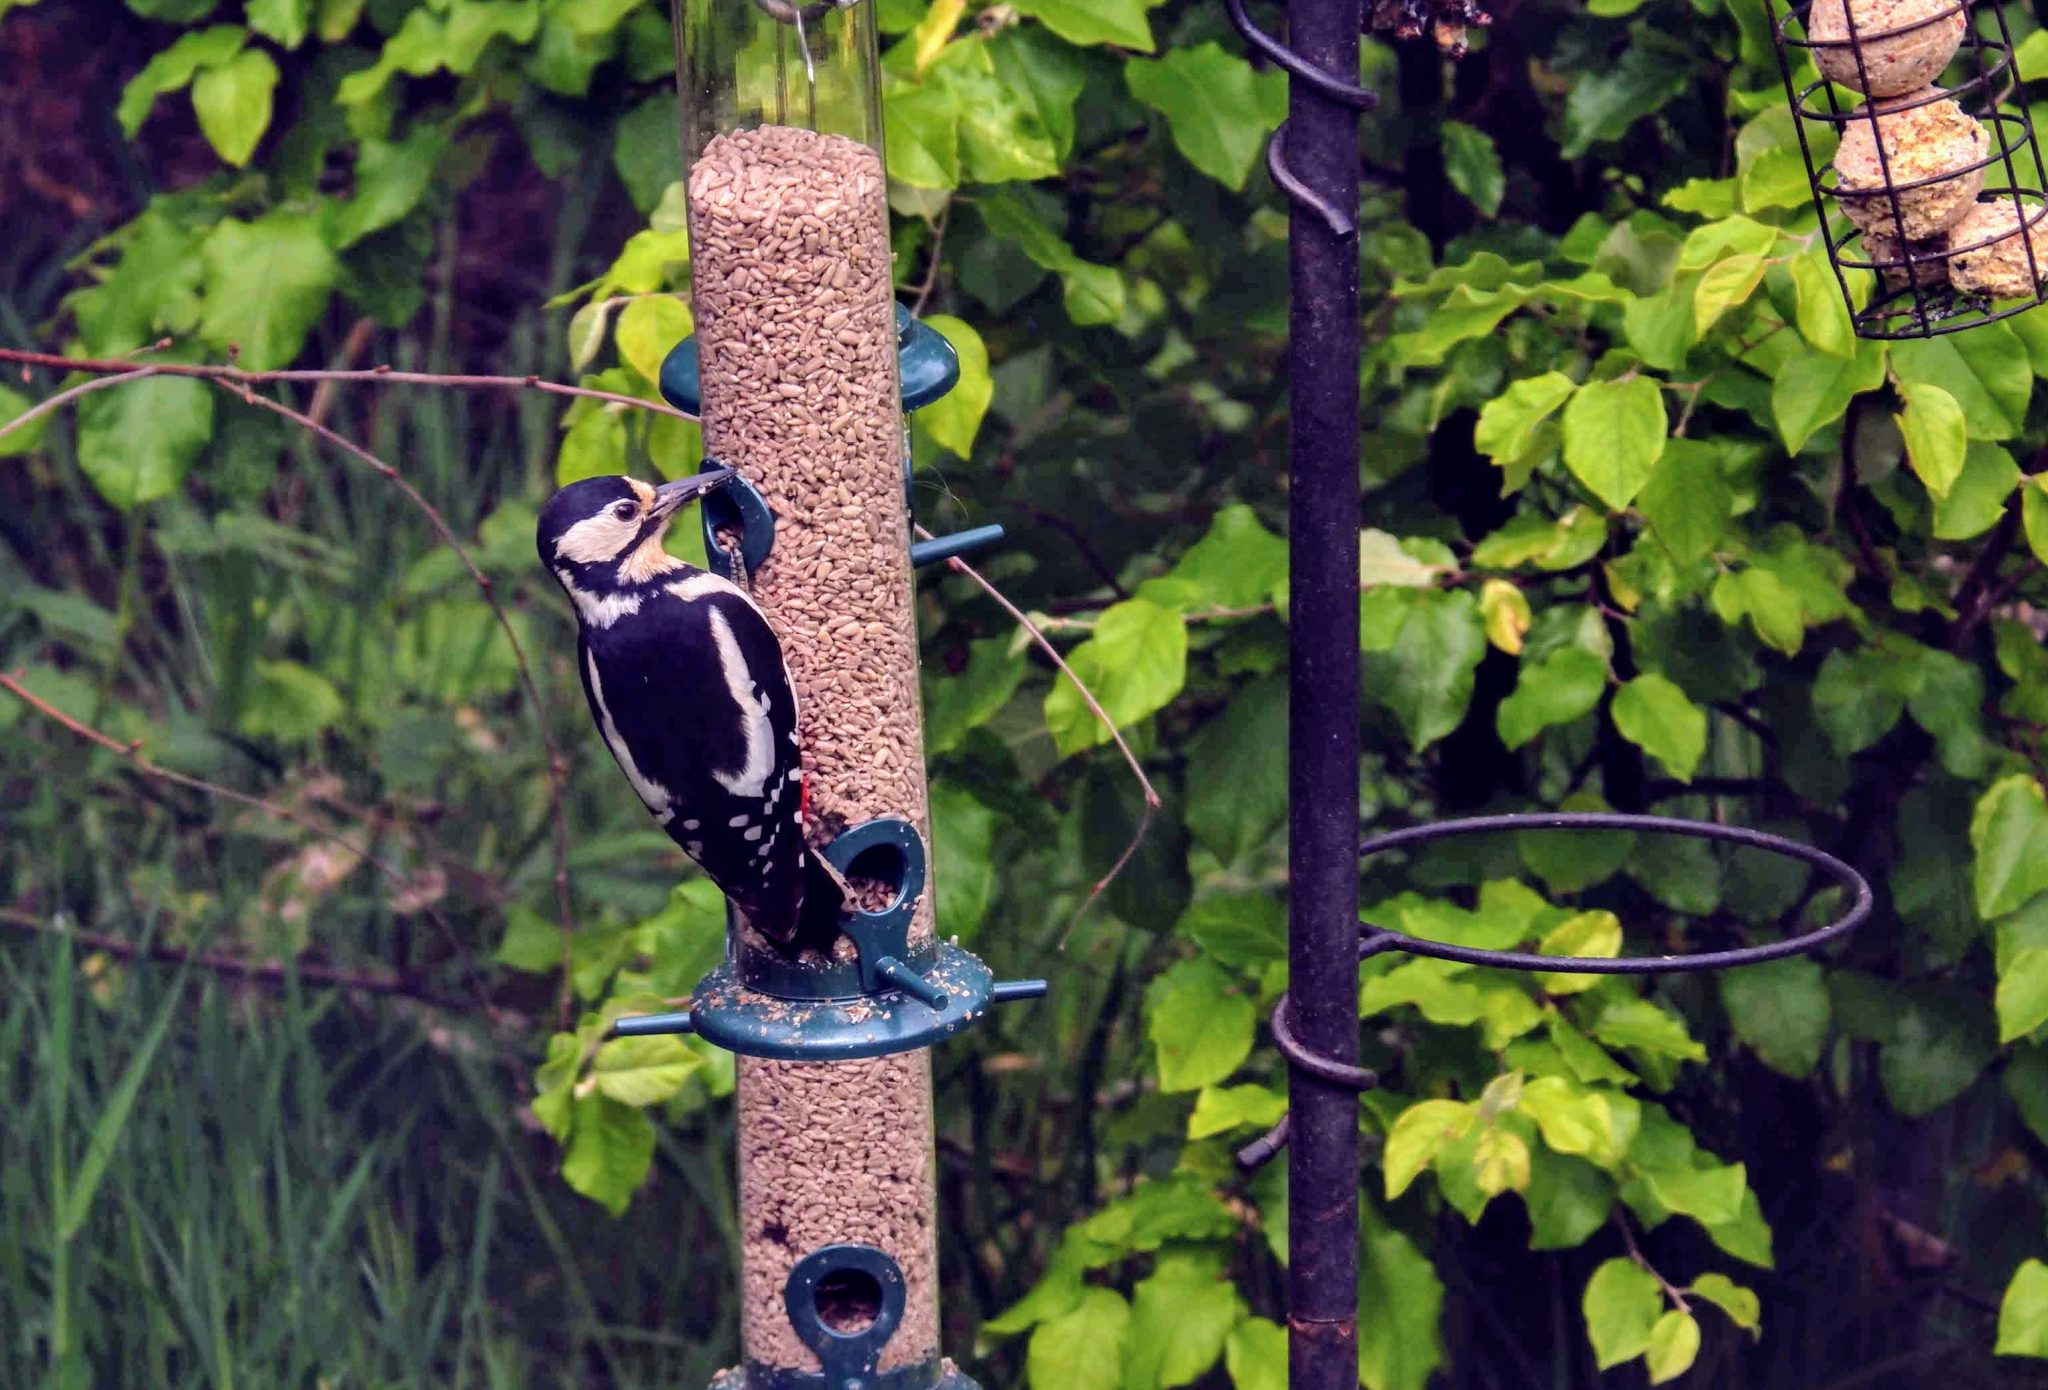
column 825, row 897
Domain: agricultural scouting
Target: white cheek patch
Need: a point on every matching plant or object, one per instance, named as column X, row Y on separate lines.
column 651, row 793
column 596, row 539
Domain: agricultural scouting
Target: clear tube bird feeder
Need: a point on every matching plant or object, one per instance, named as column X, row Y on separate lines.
column 1930, row 186
column 794, row 371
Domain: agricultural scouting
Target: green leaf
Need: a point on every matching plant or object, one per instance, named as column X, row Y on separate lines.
column 1094, row 293
column 1085, row 22
column 644, row 150
column 1507, row 423
column 1614, row 432
column 2023, row 1313
column 954, row 419
column 963, row 841
column 1656, row 716
column 1741, row 1305
column 1256, row 1355
column 1568, row 1200
column 2034, row 513
column 1200, row 1025
column 1221, row 1109
column 267, row 284
column 1426, row 677
column 1595, row 933
column 1725, row 284
column 23, row 440
column 173, row 70
column 1674, row 1346
column 1237, row 563
column 1245, row 931
column 1936, row 437
column 1082, row 1347
column 955, row 705
column 1781, row 1009
column 1939, row 1044
column 593, row 447
column 1473, row 166
column 1135, row 663
column 648, row 328
column 1640, row 1024
column 1237, row 771
column 1576, row 1120
column 1812, row 390
column 233, row 103
column 1687, row 501
column 1219, row 109
column 1822, row 314
column 611, row 1147
column 2022, row 997
column 1978, row 496
column 1417, row 1136
column 1180, row 1318
column 291, row 704
column 136, row 442
column 1400, row 1300
column 1563, row 686
column 1002, row 136
column 1607, row 100
column 2009, row 832
column 283, row 20
column 1986, row 371
column 921, row 134
column 391, row 179
column 1621, row 1305
column 643, row 1071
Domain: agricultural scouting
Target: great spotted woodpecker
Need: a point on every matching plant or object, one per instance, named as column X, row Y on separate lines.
column 688, row 686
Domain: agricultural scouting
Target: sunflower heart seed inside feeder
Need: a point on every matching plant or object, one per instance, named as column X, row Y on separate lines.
column 1932, row 164
column 1921, row 262
column 1903, row 44
column 1987, row 255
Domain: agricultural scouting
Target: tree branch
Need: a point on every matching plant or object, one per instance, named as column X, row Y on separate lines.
column 272, row 973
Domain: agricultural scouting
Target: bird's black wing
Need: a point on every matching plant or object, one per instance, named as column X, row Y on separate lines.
column 694, row 701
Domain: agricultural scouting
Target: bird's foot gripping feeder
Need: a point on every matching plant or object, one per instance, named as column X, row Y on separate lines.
column 891, row 997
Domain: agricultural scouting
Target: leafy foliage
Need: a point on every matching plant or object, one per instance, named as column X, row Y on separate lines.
column 1648, row 528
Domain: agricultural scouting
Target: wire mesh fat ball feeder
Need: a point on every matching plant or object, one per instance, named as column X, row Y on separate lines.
column 1930, row 185
column 801, row 371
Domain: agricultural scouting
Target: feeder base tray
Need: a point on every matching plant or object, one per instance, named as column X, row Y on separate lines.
column 933, row 1375
column 727, row 1014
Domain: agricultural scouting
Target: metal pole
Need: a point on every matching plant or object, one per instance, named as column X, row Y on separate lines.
column 1322, row 149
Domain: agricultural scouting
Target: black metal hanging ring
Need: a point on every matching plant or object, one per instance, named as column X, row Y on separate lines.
column 1374, row 940
column 1858, row 887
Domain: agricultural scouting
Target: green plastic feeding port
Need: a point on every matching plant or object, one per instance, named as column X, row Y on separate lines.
column 926, row 362
column 891, row 998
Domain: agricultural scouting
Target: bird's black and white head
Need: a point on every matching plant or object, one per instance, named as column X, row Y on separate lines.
column 602, row 537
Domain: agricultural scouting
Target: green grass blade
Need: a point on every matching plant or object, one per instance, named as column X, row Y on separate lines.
column 106, row 1133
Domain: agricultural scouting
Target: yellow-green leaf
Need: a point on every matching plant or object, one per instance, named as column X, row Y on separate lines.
column 1416, row 1137
column 1674, row 1346
column 1936, row 436
column 1614, row 433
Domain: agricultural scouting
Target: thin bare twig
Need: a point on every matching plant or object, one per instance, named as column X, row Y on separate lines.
column 273, row 973
column 557, row 769
column 69, row 394
column 131, row 752
column 931, row 274
column 1044, row 644
column 242, row 377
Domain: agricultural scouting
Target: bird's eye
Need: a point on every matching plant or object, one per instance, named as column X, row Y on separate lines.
column 624, row 511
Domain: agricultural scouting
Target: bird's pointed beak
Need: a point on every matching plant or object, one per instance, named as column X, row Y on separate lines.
column 670, row 498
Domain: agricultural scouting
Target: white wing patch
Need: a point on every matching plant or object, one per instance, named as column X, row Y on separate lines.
column 652, row 794
column 751, row 780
